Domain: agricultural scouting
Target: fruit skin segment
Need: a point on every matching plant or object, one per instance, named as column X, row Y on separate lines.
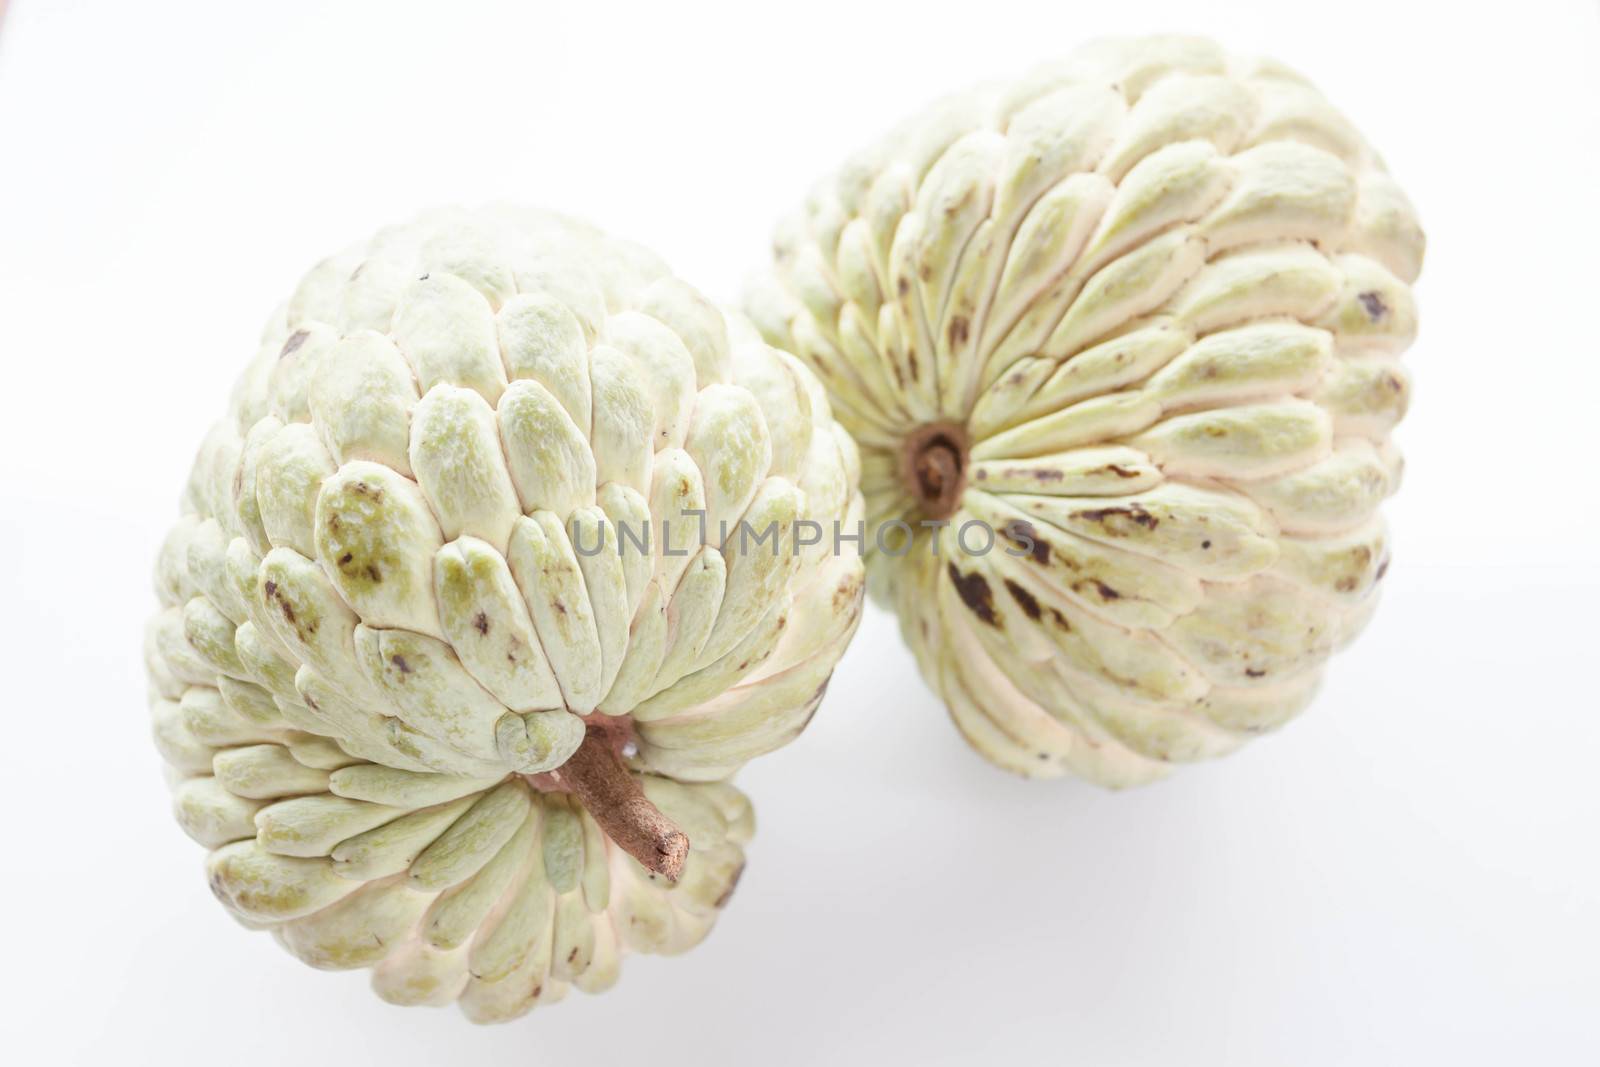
column 1148, row 303
column 421, row 559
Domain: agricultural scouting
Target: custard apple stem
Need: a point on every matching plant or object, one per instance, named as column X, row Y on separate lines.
column 598, row 778
column 933, row 465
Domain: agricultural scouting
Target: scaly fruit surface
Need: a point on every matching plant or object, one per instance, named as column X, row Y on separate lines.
column 407, row 592
column 1139, row 316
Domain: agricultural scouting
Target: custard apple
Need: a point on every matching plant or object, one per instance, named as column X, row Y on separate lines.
column 460, row 635
column 1119, row 344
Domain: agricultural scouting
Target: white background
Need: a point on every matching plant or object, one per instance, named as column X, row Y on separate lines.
column 1406, row 875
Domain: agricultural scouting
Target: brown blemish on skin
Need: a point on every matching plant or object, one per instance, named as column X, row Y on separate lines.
column 1105, row 591
column 373, row 572
column 903, row 286
column 400, row 663
column 1120, row 471
column 346, row 558
column 480, row 623
column 974, row 591
column 1254, row 672
column 1383, row 568
column 1025, row 600
column 270, row 588
column 1022, row 533
column 1039, row 474
column 293, row 344
column 958, row 330
column 1133, row 513
column 1372, row 301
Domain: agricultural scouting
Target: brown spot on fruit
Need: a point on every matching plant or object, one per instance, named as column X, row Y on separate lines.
column 480, row 623
column 1106, row 592
column 1025, row 600
column 1022, row 534
column 1254, row 672
column 958, row 330
column 974, row 591
column 1372, row 302
column 293, row 344
column 1133, row 513
column 400, row 663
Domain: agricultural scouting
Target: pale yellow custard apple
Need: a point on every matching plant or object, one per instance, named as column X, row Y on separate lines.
column 460, row 635
column 1138, row 318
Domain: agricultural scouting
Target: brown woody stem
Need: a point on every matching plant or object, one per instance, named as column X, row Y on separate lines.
column 608, row 792
column 933, row 464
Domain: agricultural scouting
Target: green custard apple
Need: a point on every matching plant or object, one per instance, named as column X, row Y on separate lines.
column 458, row 640
column 1120, row 346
